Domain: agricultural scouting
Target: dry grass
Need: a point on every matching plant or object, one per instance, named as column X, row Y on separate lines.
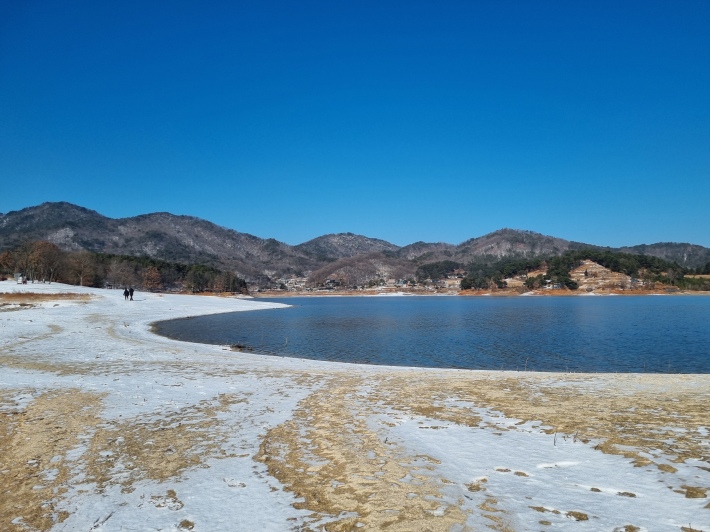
column 35, row 471
column 40, row 297
column 619, row 411
column 343, row 472
column 342, row 469
column 124, row 452
column 34, row 467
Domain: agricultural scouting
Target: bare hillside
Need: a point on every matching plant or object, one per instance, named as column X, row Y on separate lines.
column 187, row 239
column 342, row 245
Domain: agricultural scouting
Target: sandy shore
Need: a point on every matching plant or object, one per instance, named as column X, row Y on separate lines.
column 105, row 426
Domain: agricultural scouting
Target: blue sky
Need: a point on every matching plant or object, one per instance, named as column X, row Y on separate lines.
column 400, row 120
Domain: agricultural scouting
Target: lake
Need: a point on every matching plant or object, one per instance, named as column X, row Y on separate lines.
column 641, row 334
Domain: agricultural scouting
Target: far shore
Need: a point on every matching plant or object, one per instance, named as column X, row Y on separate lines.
column 274, row 294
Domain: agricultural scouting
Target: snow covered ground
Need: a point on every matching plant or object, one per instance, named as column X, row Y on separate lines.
column 106, row 426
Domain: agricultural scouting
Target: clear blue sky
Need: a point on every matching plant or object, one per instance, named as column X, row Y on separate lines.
column 401, row 120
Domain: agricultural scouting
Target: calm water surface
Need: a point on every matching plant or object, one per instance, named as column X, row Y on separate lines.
column 659, row 334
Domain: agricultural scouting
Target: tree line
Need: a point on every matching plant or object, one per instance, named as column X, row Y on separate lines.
column 45, row 262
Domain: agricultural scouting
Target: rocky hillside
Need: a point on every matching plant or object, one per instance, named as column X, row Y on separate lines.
column 423, row 252
column 328, row 248
column 160, row 235
column 686, row 255
column 365, row 268
column 513, row 243
column 70, row 226
column 494, row 246
column 193, row 240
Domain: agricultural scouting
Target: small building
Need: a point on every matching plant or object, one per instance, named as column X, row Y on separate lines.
column 452, row 283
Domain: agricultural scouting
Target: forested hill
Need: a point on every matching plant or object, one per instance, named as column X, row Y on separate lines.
column 190, row 240
column 634, row 271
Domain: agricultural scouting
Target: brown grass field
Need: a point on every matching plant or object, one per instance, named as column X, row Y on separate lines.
column 35, row 297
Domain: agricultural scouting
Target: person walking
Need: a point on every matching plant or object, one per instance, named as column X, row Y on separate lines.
column 125, row 294
column 130, row 292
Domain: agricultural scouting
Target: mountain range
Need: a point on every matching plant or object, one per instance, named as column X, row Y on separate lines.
column 188, row 239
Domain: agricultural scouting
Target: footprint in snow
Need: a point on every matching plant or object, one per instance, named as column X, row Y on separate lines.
column 169, row 501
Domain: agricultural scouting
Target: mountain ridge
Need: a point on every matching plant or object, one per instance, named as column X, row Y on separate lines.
column 188, row 239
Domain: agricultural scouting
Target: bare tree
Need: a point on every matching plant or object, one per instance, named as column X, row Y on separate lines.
column 22, row 257
column 7, row 262
column 82, row 265
column 151, row 278
column 121, row 273
column 46, row 258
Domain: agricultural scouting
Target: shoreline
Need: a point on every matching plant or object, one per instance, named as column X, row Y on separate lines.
column 405, row 339
column 277, row 294
column 104, row 422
